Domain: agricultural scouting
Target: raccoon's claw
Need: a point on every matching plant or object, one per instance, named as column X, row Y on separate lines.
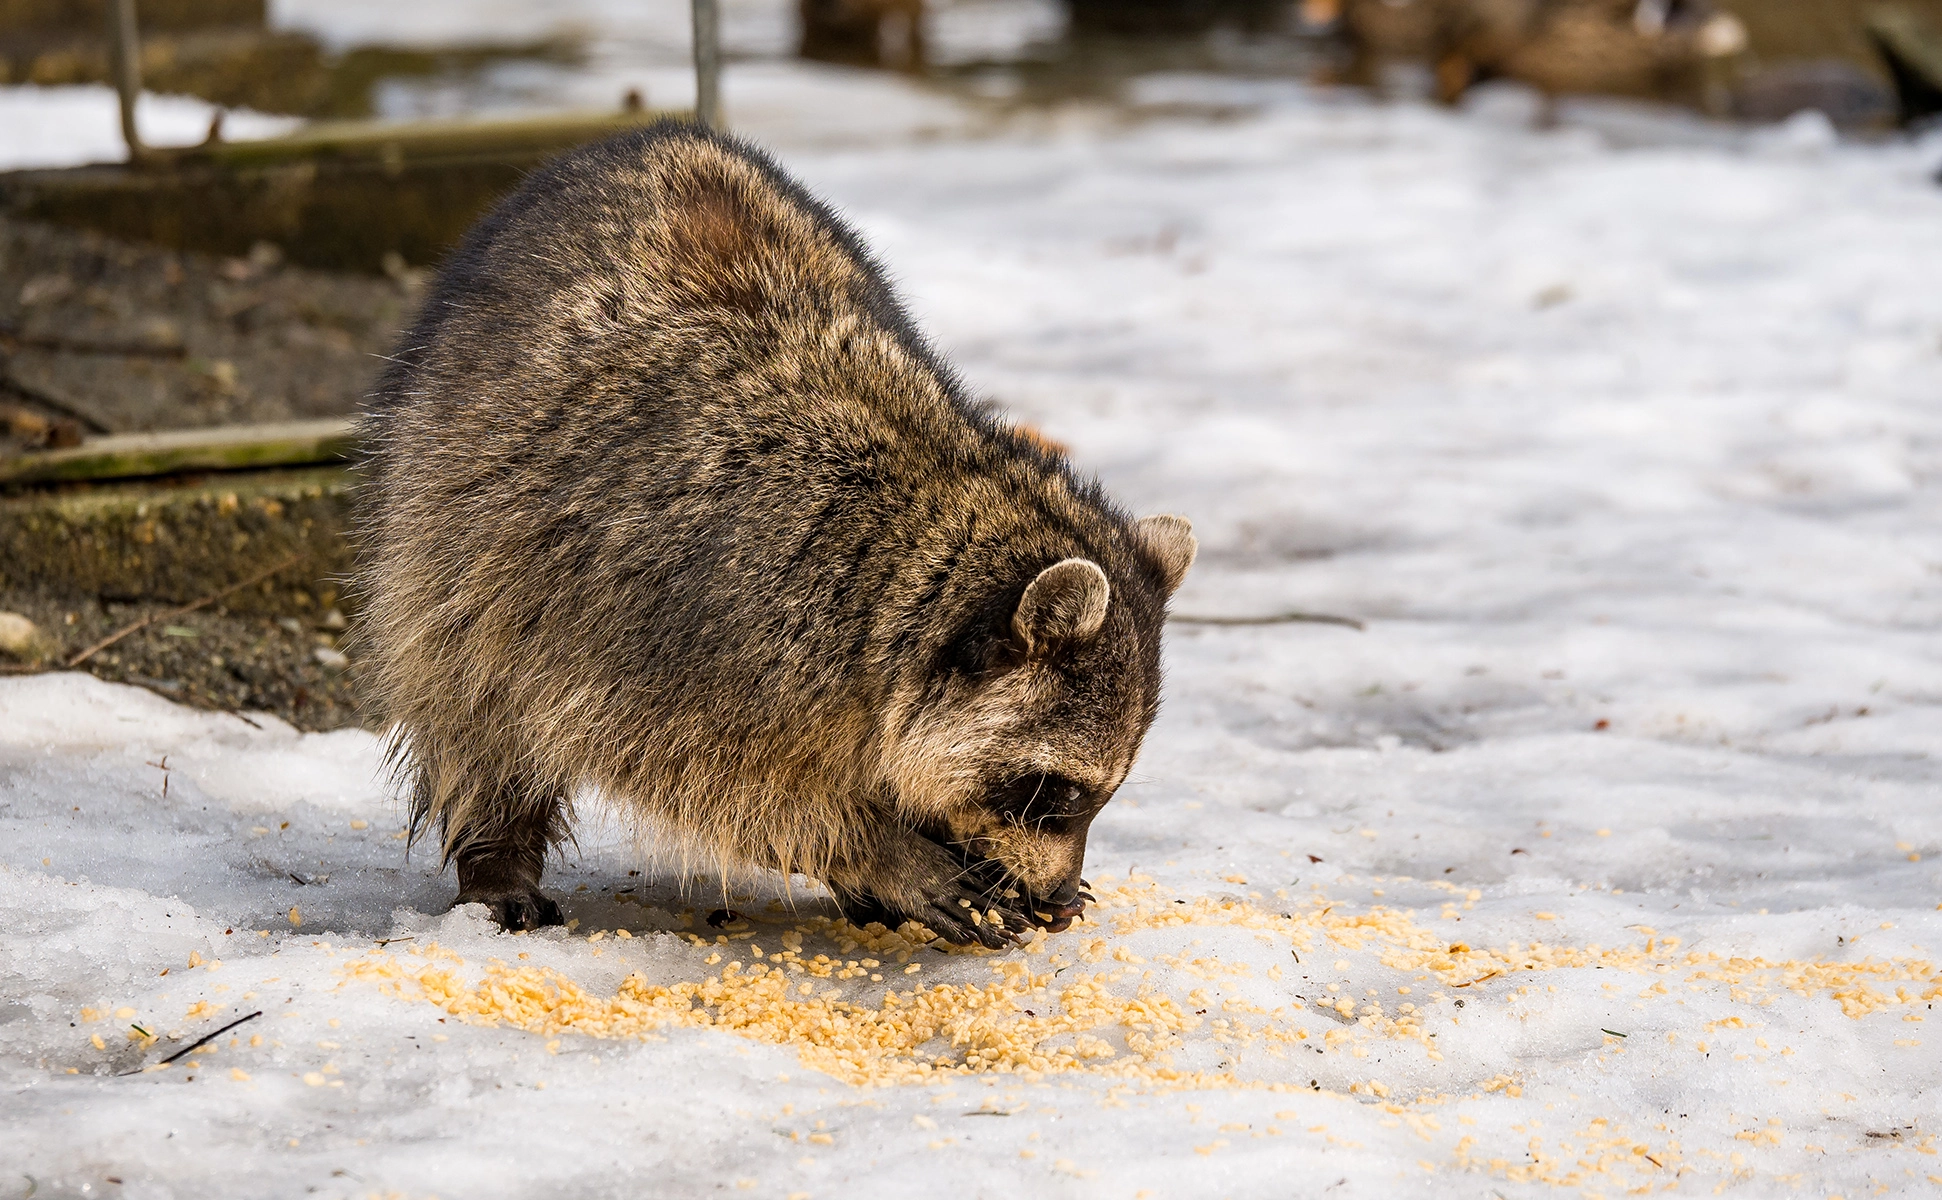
column 1057, row 922
column 944, row 917
column 963, row 902
column 958, row 933
column 966, row 915
column 518, row 911
column 950, row 917
column 991, row 935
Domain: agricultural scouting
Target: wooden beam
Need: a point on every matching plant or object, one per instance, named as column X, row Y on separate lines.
column 227, row 448
column 403, row 142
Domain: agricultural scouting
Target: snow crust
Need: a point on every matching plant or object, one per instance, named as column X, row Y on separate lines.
column 645, row 45
column 71, row 125
column 1625, row 447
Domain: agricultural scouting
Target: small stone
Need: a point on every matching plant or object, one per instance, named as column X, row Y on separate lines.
column 332, row 661
column 45, row 289
column 160, row 333
column 24, row 424
column 290, row 624
column 20, row 638
column 333, row 621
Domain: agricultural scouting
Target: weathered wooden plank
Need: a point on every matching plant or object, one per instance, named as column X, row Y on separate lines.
column 88, row 16
column 340, row 195
column 400, row 142
column 227, row 448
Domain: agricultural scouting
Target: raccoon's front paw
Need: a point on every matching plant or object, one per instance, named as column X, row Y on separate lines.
column 967, row 914
column 520, row 910
column 927, row 884
column 949, row 916
column 964, row 908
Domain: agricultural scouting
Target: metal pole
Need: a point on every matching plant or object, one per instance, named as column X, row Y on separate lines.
column 125, row 50
column 708, row 63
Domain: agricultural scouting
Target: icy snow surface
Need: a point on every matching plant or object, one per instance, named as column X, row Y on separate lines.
column 72, row 125
column 1604, row 858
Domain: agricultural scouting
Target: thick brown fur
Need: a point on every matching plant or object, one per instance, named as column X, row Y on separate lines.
column 665, row 497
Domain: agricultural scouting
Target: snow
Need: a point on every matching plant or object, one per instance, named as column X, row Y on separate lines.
column 645, row 45
column 1622, row 439
column 956, row 30
column 69, row 126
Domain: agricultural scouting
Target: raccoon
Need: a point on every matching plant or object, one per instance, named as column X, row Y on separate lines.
column 664, row 496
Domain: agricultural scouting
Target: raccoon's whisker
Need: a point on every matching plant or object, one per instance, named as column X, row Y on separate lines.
column 964, row 844
column 964, row 872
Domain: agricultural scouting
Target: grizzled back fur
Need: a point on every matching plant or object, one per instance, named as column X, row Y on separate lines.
column 664, row 495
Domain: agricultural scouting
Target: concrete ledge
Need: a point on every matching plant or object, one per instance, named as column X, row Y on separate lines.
column 178, row 540
column 342, row 195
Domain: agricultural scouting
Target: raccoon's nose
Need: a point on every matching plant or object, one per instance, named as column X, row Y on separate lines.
column 1057, row 911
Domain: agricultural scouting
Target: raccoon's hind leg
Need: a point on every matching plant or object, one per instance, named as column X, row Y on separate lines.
column 503, row 875
column 497, row 832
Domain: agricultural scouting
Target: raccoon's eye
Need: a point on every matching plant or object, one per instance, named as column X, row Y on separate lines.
column 1039, row 795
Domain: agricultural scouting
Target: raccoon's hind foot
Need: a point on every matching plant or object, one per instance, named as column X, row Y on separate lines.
column 522, row 910
column 504, row 877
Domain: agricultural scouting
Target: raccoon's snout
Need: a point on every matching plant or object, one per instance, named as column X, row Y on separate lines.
column 1065, row 905
column 1064, row 901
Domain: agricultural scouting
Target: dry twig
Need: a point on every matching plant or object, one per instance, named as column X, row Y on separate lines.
column 211, row 598
column 206, row 1038
column 11, row 383
column 12, row 337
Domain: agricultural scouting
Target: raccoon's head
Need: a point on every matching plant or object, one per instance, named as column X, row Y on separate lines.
column 1034, row 714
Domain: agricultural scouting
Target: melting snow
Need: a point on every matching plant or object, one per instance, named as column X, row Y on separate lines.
column 1604, row 858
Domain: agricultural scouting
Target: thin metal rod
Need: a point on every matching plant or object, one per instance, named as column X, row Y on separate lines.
column 125, row 51
column 708, row 63
column 1286, row 618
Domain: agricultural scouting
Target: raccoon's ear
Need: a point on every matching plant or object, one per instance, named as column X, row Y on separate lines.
column 1066, row 603
column 1169, row 540
column 725, row 235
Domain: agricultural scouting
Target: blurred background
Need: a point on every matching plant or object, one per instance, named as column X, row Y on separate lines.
column 214, row 91
column 1866, row 64
column 187, row 320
